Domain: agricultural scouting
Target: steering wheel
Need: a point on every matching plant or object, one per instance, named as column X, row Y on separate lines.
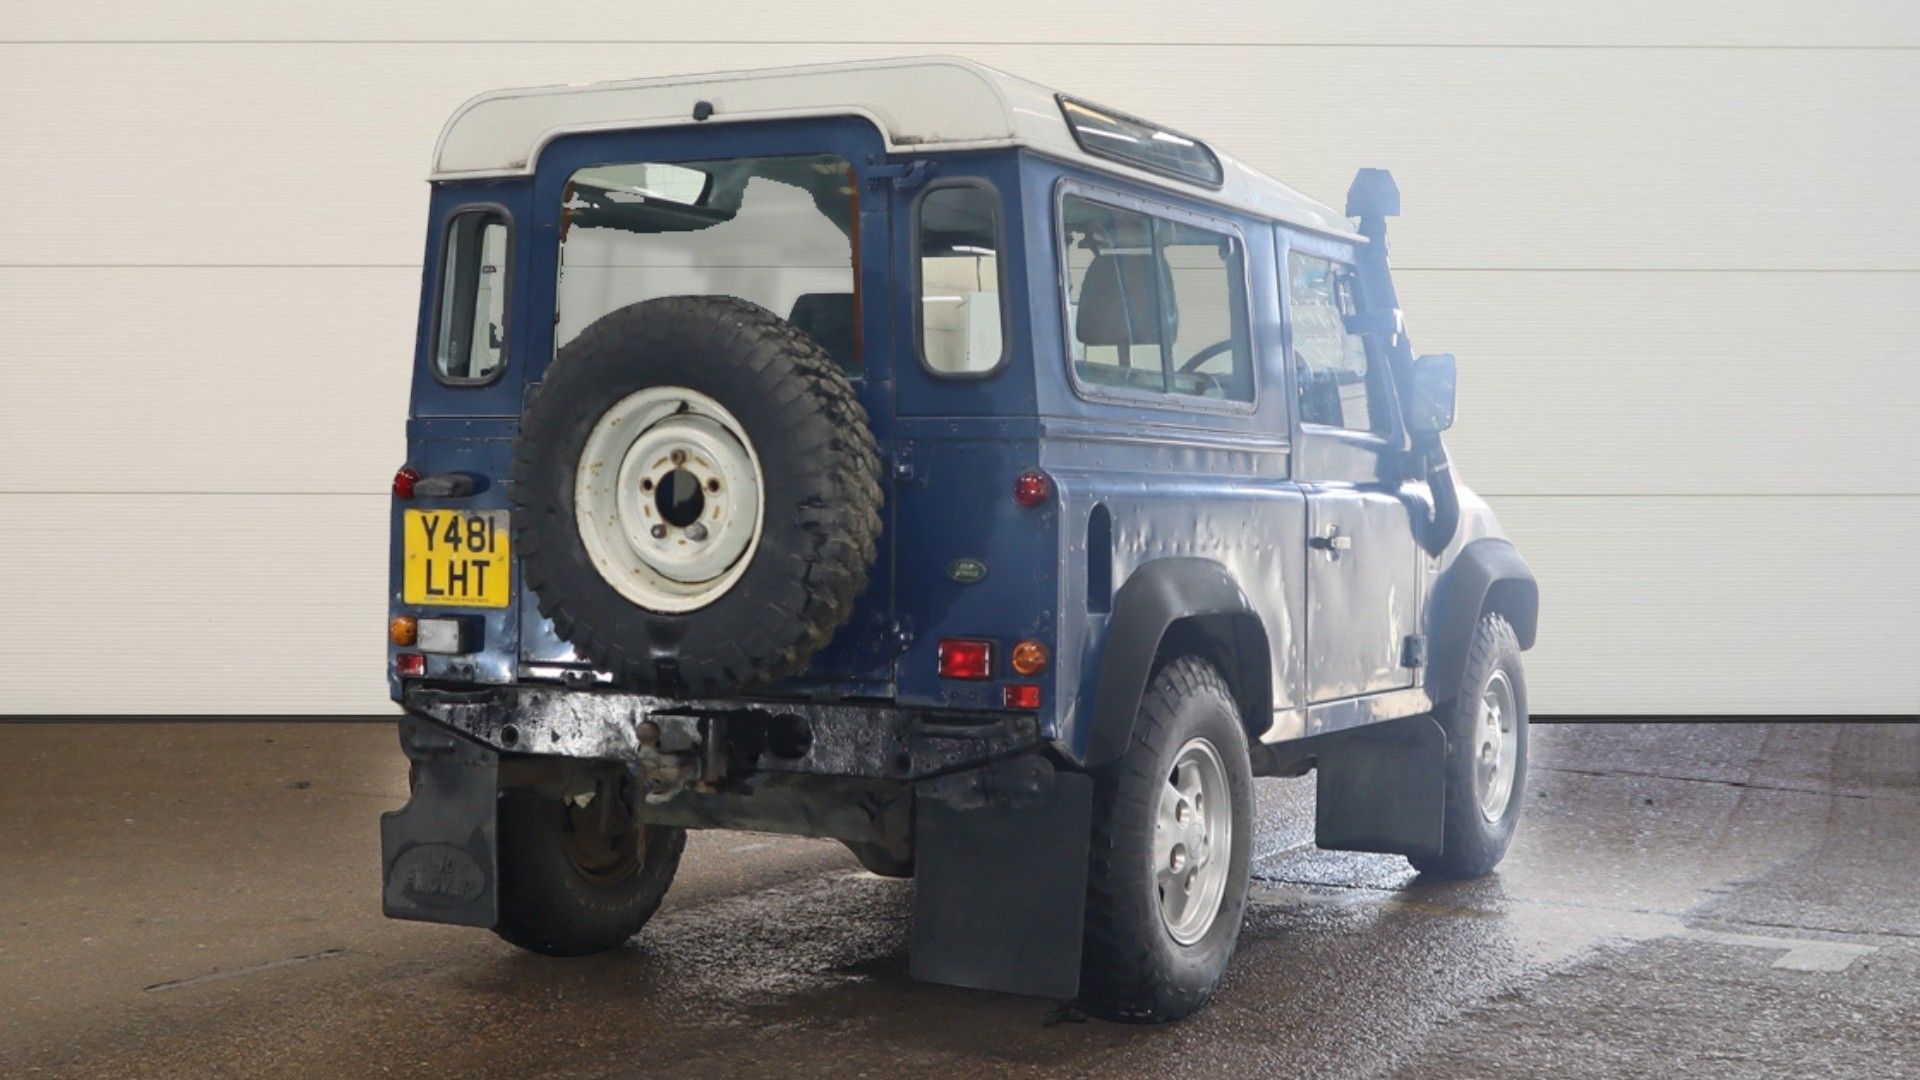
column 1204, row 355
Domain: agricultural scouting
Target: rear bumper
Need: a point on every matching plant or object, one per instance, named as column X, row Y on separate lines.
column 972, row 805
column 708, row 741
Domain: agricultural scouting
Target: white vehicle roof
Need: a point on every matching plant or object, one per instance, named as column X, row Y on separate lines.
column 919, row 104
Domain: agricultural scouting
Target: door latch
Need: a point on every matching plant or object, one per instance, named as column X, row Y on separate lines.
column 1333, row 543
column 1413, row 651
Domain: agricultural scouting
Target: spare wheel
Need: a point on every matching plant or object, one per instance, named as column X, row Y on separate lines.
column 696, row 495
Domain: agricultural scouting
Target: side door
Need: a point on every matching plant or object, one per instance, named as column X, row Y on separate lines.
column 1363, row 562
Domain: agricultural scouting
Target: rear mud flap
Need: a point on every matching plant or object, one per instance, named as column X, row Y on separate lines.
column 1384, row 789
column 438, row 854
column 1000, row 879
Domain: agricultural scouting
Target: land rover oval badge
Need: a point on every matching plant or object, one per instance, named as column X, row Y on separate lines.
column 967, row 571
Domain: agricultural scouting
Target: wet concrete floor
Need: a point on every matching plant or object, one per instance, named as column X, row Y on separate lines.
column 1699, row 899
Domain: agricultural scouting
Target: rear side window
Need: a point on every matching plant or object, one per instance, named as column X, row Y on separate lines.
column 1154, row 304
column 1329, row 360
column 958, row 238
column 471, row 337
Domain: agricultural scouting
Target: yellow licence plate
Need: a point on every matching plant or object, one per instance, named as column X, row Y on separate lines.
column 456, row 557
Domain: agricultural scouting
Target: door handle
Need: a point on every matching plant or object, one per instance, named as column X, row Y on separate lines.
column 1333, row 543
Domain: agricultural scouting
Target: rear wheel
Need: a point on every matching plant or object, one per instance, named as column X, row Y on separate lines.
column 1486, row 756
column 579, row 876
column 1172, row 839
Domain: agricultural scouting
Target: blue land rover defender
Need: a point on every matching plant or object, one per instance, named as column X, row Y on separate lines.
column 903, row 453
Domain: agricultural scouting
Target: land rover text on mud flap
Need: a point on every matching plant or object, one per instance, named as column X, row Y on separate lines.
column 903, row 453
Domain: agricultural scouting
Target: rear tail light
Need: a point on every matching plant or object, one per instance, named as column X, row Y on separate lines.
column 1032, row 488
column 403, row 482
column 965, row 658
column 409, row 664
column 1021, row 696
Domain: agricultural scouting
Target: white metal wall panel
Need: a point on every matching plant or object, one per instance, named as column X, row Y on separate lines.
column 1722, row 604
column 1597, row 383
column 1579, row 158
column 193, row 603
column 1478, row 23
column 1671, row 243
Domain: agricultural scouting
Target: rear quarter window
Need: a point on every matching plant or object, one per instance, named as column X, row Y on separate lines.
column 470, row 333
column 957, row 240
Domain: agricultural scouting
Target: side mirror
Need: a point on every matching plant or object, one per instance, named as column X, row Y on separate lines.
column 1431, row 408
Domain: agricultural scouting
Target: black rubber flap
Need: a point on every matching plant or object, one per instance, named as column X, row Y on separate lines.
column 438, row 854
column 1000, row 891
column 1384, row 789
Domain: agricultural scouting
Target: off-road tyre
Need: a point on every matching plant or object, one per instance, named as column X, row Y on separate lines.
column 550, row 903
column 1132, row 969
column 821, row 487
column 1471, row 845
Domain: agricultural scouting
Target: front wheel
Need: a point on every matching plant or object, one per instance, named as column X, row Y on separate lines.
column 580, row 876
column 1486, row 763
column 1172, row 840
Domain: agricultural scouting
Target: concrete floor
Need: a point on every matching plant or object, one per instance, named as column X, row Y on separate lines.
column 1724, row 899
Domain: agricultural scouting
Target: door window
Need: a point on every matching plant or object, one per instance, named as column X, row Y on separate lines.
column 1331, row 368
column 470, row 343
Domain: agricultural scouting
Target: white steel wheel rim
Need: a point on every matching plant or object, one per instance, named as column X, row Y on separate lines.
column 1497, row 746
column 668, row 547
column 1193, row 841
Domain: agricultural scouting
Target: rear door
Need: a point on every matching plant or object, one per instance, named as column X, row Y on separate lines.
column 1362, row 561
column 789, row 215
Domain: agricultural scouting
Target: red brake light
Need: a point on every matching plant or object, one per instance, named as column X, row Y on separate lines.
column 1021, row 696
column 965, row 658
column 409, row 664
column 403, row 482
column 1033, row 488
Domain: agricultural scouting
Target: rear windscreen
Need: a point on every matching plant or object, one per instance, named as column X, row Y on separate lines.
column 773, row 230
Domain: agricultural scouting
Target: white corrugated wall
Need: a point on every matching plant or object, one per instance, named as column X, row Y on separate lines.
column 1675, row 246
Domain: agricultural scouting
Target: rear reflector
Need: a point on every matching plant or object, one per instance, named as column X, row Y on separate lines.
column 1032, row 488
column 409, row 664
column 965, row 658
column 1021, row 696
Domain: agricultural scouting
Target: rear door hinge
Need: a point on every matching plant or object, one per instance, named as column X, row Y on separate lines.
column 904, row 176
column 902, row 634
column 1413, row 651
